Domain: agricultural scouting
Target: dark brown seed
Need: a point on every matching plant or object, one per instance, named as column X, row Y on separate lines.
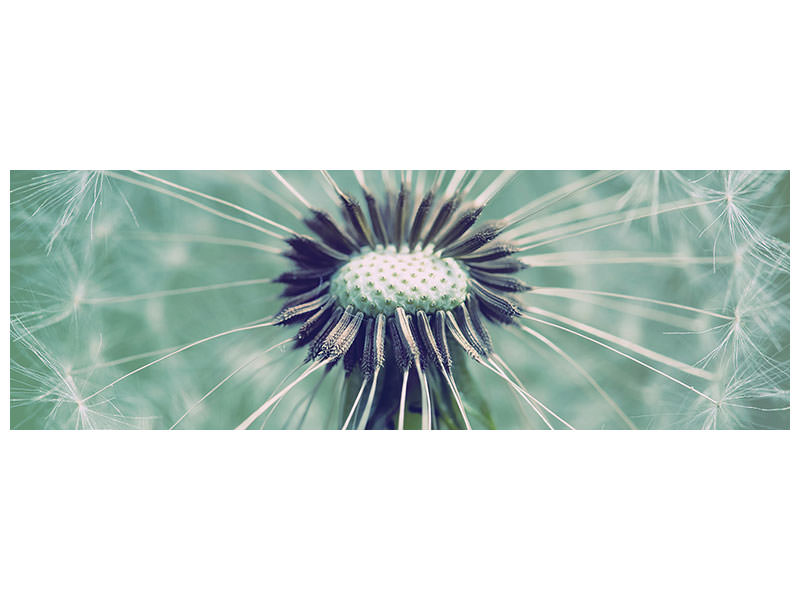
column 297, row 276
column 493, row 252
column 500, row 283
column 336, row 342
column 332, row 321
column 442, row 218
column 477, row 322
column 352, row 357
column 458, row 336
column 406, row 336
column 401, row 355
column 326, row 228
column 468, row 329
column 462, row 224
column 378, row 226
column 291, row 314
column 477, row 240
column 504, row 265
column 400, row 216
column 311, row 251
column 364, row 362
column 440, row 333
column 339, row 345
column 496, row 307
column 315, row 322
column 433, row 356
column 379, row 343
column 355, row 216
column 421, row 355
column 307, row 296
column 419, row 219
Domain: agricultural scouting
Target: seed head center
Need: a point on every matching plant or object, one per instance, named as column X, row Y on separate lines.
column 379, row 281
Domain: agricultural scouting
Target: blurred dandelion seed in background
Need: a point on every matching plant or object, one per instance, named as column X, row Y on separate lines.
column 400, row 299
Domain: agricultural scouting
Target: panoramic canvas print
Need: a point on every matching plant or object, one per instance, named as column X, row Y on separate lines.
column 399, row 300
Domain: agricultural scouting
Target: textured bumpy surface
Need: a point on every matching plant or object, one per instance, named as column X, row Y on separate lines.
column 380, row 281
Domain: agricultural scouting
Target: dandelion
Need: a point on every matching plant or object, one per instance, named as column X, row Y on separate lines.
column 400, row 300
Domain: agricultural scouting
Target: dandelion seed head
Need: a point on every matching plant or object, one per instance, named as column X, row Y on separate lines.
column 380, row 281
column 667, row 303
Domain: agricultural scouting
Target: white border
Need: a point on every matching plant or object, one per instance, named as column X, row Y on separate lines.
column 411, row 85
